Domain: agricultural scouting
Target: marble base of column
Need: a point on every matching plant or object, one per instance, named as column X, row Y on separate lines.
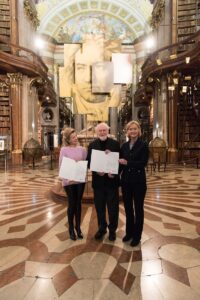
column 172, row 155
column 17, row 157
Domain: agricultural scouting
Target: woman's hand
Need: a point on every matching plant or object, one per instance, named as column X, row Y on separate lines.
column 123, row 161
column 111, row 175
column 72, row 182
column 101, row 173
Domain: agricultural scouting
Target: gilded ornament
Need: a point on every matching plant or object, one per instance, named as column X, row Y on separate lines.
column 157, row 14
column 31, row 13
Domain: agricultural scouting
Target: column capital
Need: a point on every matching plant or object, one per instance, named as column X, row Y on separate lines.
column 15, row 78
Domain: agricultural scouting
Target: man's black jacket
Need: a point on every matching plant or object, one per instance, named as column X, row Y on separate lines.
column 101, row 181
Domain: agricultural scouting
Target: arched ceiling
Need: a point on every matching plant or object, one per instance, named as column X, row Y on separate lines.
column 133, row 15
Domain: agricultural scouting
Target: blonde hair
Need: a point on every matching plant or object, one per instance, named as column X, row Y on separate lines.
column 133, row 123
column 66, row 133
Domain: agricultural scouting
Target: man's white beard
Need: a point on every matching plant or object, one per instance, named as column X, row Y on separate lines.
column 103, row 138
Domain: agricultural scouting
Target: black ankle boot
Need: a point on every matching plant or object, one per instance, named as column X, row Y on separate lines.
column 72, row 234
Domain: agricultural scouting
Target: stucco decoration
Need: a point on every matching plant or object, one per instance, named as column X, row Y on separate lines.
column 31, row 13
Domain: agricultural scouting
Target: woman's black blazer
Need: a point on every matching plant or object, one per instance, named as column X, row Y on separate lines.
column 137, row 158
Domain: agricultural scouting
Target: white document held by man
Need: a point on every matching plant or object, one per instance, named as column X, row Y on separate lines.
column 104, row 162
column 73, row 170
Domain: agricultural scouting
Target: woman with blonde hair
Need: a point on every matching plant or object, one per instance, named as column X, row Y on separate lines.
column 74, row 190
column 133, row 158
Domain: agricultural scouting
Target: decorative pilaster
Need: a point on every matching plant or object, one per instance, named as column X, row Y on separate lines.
column 16, row 115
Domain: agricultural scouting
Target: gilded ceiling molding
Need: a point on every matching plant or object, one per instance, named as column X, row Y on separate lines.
column 31, row 13
column 157, row 14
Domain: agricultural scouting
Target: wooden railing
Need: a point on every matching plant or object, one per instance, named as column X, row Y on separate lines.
column 27, row 62
column 172, row 56
column 23, row 59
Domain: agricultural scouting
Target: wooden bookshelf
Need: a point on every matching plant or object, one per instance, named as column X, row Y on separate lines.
column 5, row 124
column 5, row 22
column 188, row 18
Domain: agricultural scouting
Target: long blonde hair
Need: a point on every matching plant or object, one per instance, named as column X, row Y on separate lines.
column 135, row 123
column 66, row 133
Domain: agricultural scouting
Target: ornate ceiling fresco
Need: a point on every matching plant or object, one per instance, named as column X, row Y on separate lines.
column 67, row 21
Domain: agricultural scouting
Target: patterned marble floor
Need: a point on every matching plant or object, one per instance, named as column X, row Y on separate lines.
column 38, row 261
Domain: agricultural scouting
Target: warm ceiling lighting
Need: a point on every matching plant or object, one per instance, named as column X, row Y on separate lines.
column 150, row 79
column 187, row 60
column 175, row 80
column 171, row 87
column 39, row 43
column 150, row 42
column 173, row 56
column 159, row 61
column 188, row 78
column 184, row 89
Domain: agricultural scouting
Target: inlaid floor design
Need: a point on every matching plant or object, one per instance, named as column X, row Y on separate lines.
column 38, row 261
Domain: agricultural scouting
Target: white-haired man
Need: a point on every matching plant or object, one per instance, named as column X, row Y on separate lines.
column 105, row 186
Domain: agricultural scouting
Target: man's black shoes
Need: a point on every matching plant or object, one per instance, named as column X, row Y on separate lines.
column 126, row 238
column 99, row 234
column 112, row 236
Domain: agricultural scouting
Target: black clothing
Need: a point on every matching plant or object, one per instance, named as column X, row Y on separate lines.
column 133, row 182
column 107, row 196
column 74, row 194
column 108, row 144
column 105, row 189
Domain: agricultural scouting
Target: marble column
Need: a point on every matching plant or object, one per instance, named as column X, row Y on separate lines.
column 172, row 119
column 16, row 115
column 156, row 112
column 164, row 121
column 113, row 120
column 78, row 122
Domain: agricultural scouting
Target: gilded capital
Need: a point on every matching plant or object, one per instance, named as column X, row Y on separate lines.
column 15, row 78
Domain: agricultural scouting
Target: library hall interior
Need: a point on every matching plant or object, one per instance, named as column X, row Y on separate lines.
column 99, row 149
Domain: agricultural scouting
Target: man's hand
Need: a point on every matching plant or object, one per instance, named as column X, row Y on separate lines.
column 107, row 151
column 123, row 161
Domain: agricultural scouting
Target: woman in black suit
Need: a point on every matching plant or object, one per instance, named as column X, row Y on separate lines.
column 133, row 159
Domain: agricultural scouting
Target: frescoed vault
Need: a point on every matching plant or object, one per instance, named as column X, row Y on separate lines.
column 68, row 21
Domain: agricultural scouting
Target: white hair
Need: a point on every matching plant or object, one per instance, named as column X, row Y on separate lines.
column 102, row 124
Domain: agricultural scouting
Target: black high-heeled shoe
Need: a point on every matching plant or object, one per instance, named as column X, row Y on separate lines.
column 79, row 234
column 72, row 235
